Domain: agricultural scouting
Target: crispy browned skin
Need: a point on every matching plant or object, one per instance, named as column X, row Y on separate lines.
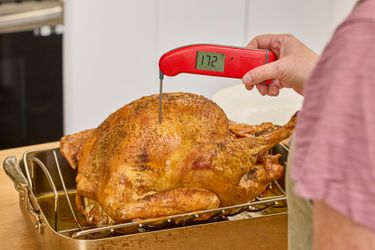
column 241, row 130
column 137, row 168
column 70, row 146
column 228, row 167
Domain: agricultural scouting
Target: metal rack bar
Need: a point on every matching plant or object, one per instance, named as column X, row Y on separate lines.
column 28, row 176
column 51, row 183
column 65, row 192
column 175, row 217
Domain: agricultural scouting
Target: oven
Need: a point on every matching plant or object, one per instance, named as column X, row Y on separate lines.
column 31, row 103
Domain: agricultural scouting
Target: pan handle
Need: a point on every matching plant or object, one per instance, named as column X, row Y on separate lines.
column 13, row 171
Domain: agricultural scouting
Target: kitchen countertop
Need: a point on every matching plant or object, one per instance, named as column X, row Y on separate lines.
column 14, row 232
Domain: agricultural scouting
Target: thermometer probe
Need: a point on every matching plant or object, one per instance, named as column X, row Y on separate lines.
column 212, row 60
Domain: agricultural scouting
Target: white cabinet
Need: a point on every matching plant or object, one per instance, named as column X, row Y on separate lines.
column 110, row 51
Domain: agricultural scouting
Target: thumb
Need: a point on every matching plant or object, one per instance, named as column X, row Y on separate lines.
column 259, row 74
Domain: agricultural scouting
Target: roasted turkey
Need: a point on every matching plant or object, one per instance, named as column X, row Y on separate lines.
column 133, row 167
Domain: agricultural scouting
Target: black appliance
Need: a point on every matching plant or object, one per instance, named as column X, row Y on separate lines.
column 31, row 102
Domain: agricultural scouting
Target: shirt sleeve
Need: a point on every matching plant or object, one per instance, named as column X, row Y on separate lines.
column 334, row 158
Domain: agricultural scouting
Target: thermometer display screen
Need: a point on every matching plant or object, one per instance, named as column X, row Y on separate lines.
column 210, row 61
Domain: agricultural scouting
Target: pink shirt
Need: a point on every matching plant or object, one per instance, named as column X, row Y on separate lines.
column 334, row 158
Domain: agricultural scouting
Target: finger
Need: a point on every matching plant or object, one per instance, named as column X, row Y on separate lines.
column 249, row 86
column 273, row 90
column 259, row 74
column 261, row 42
column 269, row 42
column 247, row 79
column 263, row 89
column 277, row 83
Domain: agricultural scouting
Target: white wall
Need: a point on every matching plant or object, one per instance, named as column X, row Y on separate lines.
column 112, row 47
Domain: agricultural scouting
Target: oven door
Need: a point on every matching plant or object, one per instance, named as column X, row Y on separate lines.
column 30, row 73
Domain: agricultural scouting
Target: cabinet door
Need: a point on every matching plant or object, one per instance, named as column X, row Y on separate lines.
column 110, row 58
column 30, row 89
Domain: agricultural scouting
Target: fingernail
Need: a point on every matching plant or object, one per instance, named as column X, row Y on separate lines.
column 246, row 79
column 249, row 86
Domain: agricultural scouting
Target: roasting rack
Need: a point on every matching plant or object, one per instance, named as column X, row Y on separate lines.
column 47, row 187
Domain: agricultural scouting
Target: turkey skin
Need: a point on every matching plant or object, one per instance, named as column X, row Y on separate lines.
column 133, row 167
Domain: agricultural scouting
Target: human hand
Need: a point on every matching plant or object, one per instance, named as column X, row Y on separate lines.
column 291, row 70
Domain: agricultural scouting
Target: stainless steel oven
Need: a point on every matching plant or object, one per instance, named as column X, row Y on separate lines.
column 30, row 72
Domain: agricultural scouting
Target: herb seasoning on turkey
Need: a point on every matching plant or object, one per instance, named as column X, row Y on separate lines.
column 133, row 167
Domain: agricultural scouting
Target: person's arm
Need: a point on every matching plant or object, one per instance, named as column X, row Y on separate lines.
column 293, row 67
column 332, row 230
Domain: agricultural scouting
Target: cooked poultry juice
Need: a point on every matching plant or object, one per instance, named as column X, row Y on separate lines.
column 64, row 216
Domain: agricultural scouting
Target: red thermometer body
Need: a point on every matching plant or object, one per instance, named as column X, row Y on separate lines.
column 213, row 60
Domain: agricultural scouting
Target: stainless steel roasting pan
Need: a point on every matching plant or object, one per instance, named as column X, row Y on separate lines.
column 46, row 186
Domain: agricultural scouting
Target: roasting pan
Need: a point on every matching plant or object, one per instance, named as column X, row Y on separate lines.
column 46, row 186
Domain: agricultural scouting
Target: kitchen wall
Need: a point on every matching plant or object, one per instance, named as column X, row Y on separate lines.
column 112, row 47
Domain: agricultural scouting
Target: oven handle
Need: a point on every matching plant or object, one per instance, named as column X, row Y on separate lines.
column 32, row 19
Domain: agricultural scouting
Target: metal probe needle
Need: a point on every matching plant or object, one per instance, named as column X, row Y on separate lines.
column 161, row 77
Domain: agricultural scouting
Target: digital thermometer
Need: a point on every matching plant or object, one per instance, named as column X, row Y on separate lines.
column 211, row 60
